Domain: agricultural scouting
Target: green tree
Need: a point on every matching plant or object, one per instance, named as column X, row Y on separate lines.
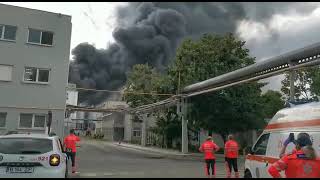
column 168, row 126
column 302, row 82
column 233, row 109
column 315, row 84
column 142, row 79
column 272, row 102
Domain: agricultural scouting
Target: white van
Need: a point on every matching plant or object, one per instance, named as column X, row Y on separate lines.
column 266, row 150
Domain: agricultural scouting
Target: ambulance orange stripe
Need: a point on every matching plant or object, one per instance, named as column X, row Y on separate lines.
column 315, row 122
column 264, row 159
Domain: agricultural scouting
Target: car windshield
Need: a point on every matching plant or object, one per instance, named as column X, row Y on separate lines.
column 25, row 146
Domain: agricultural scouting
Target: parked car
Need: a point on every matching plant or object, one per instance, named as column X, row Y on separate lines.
column 32, row 156
column 297, row 119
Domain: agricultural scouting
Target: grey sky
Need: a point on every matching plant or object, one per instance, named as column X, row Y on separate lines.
column 277, row 29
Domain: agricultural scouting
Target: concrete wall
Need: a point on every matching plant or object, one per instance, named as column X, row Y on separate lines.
column 16, row 95
column 127, row 128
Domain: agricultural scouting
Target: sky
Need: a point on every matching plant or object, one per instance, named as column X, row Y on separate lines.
column 94, row 22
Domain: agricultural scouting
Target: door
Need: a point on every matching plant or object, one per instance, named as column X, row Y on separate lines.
column 118, row 134
column 258, row 163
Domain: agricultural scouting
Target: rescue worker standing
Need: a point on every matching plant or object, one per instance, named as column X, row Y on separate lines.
column 70, row 147
column 231, row 150
column 209, row 148
column 302, row 163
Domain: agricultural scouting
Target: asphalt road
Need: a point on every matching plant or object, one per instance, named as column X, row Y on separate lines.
column 96, row 161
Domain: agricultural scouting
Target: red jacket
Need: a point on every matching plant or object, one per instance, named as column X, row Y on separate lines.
column 296, row 165
column 209, row 147
column 231, row 149
column 70, row 142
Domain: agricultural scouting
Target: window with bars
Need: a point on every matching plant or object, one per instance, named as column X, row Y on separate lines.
column 136, row 132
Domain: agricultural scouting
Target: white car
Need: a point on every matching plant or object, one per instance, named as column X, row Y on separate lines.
column 266, row 151
column 32, row 156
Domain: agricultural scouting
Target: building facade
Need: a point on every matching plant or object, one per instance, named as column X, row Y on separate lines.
column 116, row 126
column 72, row 99
column 34, row 64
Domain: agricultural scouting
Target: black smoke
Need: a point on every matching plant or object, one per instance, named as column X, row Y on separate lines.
column 150, row 33
column 152, row 38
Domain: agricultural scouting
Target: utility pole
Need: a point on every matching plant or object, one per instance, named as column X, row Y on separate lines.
column 182, row 111
column 144, row 130
column 292, row 88
column 184, row 124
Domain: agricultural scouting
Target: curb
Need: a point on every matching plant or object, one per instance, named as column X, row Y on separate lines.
column 220, row 158
column 190, row 157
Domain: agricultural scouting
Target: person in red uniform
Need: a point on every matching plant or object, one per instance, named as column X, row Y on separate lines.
column 71, row 148
column 231, row 150
column 303, row 163
column 209, row 148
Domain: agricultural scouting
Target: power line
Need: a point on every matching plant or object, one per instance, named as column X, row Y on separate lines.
column 105, row 90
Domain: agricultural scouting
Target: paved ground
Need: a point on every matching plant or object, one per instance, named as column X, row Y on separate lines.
column 96, row 159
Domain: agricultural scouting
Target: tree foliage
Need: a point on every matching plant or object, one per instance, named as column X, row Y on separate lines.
column 306, row 83
column 272, row 102
column 234, row 109
column 168, row 126
column 315, row 84
column 142, row 79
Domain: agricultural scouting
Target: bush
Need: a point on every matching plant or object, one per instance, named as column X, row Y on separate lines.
column 98, row 136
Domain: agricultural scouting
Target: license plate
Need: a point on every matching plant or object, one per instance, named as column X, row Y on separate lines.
column 19, row 169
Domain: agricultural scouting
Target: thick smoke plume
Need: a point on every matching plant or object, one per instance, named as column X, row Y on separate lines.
column 150, row 33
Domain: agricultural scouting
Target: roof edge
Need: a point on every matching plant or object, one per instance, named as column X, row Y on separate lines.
column 36, row 10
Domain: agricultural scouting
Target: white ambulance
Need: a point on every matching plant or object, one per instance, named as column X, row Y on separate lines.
column 266, row 150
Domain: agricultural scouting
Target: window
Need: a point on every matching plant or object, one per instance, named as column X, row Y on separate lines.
column 35, row 121
column 39, row 121
column 8, row 32
column 3, row 117
column 25, row 146
column 32, row 74
column 26, row 120
column 261, row 146
column 78, row 125
column 5, row 73
column 40, row 37
column 136, row 132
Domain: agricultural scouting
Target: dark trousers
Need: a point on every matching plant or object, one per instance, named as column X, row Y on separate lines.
column 72, row 155
column 210, row 164
column 232, row 163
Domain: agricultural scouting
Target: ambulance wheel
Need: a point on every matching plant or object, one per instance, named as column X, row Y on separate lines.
column 247, row 174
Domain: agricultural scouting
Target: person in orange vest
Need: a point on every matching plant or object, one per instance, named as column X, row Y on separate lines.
column 303, row 163
column 231, row 150
column 209, row 148
column 71, row 148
